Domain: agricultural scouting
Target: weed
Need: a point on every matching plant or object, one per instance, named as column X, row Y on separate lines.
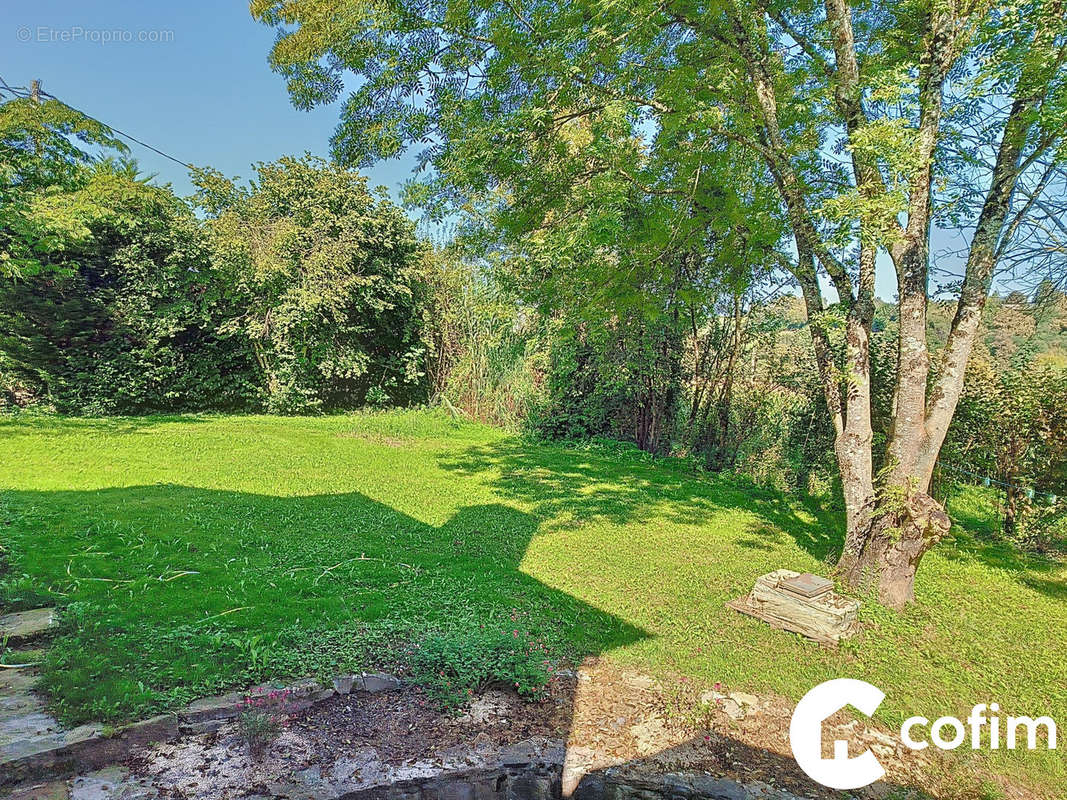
column 260, row 719
column 454, row 665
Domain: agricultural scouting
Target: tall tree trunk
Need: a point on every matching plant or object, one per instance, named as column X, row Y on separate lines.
column 978, row 276
column 1013, row 496
column 853, row 446
column 907, row 522
column 920, row 424
column 851, row 414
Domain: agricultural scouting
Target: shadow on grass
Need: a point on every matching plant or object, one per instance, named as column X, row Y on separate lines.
column 177, row 592
column 1056, row 589
column 977, row 536
column 561, row 482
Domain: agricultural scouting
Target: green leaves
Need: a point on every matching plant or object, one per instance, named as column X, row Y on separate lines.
column 118, row 317
column 40, row 155
column 321, row 283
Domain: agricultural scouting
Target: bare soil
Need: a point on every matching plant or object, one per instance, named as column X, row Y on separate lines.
column 608, row 717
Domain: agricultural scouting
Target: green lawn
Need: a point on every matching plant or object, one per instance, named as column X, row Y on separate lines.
column 198, row 553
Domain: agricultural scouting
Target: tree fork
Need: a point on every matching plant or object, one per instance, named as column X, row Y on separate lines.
column 897, row 540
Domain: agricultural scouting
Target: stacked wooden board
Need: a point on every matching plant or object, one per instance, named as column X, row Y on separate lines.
column 802, row 603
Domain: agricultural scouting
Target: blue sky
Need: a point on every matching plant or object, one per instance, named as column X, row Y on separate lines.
column 203, row 92
column 191, row 79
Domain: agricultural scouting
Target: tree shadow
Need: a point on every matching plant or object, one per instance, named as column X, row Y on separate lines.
column 1056, row 589
column 969, row 546
column 175, row 587
column 695, row 769
column 190, row 591
column 562, row 483
column 565, row 483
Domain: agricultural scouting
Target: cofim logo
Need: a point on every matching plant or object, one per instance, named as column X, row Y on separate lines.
column 917, row 733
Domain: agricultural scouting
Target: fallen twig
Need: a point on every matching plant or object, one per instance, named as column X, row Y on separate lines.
column 224, row 613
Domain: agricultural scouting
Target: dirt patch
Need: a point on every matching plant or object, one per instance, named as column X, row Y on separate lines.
column 360, row 739
column 218, row 765
column 629, row 721
column 633, row 723
column 609, row 718
column 405, row 725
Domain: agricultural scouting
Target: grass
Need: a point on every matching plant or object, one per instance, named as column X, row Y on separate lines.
column 198, row 553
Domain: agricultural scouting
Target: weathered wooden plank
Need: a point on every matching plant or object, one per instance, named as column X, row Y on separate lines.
column 827, row 618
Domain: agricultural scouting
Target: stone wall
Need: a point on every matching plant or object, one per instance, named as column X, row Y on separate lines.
column 534, row 771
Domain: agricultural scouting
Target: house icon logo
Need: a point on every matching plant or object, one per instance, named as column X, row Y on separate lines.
column 806, row 728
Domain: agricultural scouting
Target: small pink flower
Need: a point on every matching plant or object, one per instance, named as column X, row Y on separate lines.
column 718, row 685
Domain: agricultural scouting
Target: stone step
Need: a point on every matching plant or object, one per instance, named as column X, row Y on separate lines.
column 22, row 657
column 35, row 790
column 67, row 752
column 24, row 627
column 35, row 747
column 23, row 715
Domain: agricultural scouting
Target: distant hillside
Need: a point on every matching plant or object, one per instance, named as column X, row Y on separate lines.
column 1017, row 328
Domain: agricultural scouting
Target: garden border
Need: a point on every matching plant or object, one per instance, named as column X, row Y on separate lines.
column 94, row 746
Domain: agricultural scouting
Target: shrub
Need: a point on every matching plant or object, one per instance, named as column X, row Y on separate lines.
column 125, row 320
column 322, row 278
column 451, row 667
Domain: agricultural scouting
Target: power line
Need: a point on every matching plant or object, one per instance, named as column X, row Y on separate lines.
column 121, row 133
column 36, row 91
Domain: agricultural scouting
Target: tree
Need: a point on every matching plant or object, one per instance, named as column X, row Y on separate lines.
column 115, row 316
column 870, row 123
column 1013, row 426
column 322, row 281
column 39, row 152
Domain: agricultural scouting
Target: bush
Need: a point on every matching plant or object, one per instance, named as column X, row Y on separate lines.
column 1042, row 528
column 453, row 666
column 125, row 320
column 322, row 282
column 622, row 380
